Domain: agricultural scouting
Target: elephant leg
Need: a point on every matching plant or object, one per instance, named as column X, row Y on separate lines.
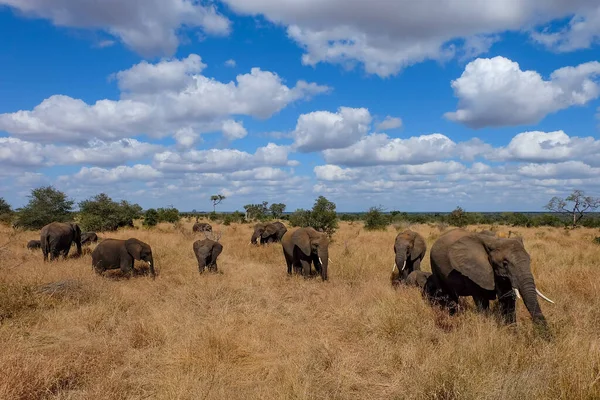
column 483, row 305
column 507, row 300
column 416, row 265
column 289, row 262
column 305, row 268
column 127, row 267
column 317, row 264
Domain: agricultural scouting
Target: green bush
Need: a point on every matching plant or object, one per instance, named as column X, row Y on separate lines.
column 375, row 219
column 150, row 218
column 322, row 217
column 46, row 205
column 6, row 213
column 170, row 214
column 100, row 213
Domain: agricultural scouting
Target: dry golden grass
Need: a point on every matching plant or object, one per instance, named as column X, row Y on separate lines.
column 253, row 332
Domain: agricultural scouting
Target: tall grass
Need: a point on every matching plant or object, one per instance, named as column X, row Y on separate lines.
column 253, row 332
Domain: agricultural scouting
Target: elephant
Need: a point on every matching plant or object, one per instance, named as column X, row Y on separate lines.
column 57, row 237
column 34, row 244
column 410, row 248
column 202, row 227
column 426, row 283
column 206, row 252
column 268, row 232
column 116, row 253
column 417, row 278
column 485, row 267
column 303, row 246
column 89, row 237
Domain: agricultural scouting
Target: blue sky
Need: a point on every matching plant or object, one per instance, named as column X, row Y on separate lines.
column 490, row 106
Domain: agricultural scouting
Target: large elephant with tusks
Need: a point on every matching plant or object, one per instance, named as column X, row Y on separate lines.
column 306, row 246
column 486, row 267
column 57, row 237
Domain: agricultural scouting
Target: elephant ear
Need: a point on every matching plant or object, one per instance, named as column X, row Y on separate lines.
column 216, row 250
column 269, row 231
column 419, row 247
column 301, row 239
column 469, row 257
column 134, row 248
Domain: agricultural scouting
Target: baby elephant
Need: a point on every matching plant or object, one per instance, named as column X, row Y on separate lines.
column 115, row 253
column 34, row 244
column 89, row 237
column 206, row 252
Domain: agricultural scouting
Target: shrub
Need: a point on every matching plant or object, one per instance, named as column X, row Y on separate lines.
column 150, row 218
column 375, row 219
column 458, row 217
column 170, row 214
column 100, row 213
column 322, row 217
column 6, row 213
column 46, row 205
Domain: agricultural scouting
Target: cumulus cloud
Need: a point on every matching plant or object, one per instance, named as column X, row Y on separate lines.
column 20, row 153
column 496, row 92
column 582, row 32
column 102, row 176
column 149, row 27
column 159, row 100
column 233, row 130
column 321, row 130
column 221, row 160
column 389, row 123
column 386, row 38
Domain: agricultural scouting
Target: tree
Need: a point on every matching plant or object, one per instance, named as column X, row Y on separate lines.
column 150, row 218
column 277, row 210
column 458, row 217
column 322, row 216
column 256, row 211
column 216, row 199
column 101, row 213
column 6, row 212
column 170, row 214
column 575, row 206
column 375, row 219
column 46, row 205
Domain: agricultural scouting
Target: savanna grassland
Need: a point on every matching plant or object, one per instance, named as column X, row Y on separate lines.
column 252, row 332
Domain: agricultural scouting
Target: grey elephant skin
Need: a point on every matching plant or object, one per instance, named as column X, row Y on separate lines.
column 206, row 252
column 486, row 268
column 306, row 246
column 116, row 253
column 34, row 244
column 57, row 238
column 89, row 237
column 409, row 250
column 202, row 227
column 268, row 232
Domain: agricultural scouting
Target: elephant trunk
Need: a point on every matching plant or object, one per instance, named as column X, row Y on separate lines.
column 254, row 238
column 526, row 286
column 324, row 261
column 401, row 263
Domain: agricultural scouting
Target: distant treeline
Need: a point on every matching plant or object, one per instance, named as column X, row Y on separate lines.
column 101, row 213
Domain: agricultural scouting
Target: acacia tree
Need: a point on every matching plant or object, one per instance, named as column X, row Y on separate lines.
column 46, row 204
column 277, row 210
column 216, row 199
column 576, row 205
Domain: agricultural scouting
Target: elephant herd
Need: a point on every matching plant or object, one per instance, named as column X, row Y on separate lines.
column 481, row 265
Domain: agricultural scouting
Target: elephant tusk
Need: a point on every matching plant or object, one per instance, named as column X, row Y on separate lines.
column 542, row 296
column 403, row 266
column 320, row 262
column 517, row 293
column 329, row 259
column 394, row 267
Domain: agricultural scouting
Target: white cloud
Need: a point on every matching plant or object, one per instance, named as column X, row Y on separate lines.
column 386, row 38
column 334, row 173
column 159, row 100
column 321, row 130
column 582, row 32
column 226, row 160
column 19, row 153
column 233, row 130
column 230, row 63
column 101, row 176
column 379, row 149
column 565, row 170
column 555, row 146
column 496, row 92
column 389, row 123
column 150, row 27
